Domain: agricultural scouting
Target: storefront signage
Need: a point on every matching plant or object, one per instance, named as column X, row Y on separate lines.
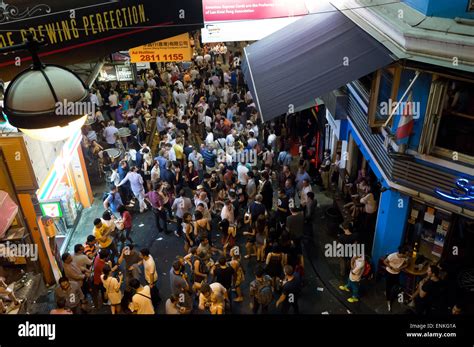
column 463, row 191
column 51, row 209
column 177, row 48
column 82, row 30
column 124, row 73
column 227, row 10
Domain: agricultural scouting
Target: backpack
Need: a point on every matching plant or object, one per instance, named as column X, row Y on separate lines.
column 264, row 292
column 367, row 273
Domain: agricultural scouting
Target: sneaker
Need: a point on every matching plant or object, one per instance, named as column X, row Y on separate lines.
column 107, row 303
column 176, row 234
column 344, row 288
column 351, row 300
column 239, row 299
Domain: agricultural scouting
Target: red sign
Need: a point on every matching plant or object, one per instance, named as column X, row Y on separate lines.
column 227, row 10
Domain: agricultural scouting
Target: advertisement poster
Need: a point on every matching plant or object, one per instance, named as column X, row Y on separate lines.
column 80, row 30
column 174, row 49
column 124, row 73
column 229, row 10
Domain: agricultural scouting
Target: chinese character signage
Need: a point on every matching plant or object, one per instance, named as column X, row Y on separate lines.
column 177, row 48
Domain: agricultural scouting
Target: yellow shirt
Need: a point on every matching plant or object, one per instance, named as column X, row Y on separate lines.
column 98, row 232
column 178, row 150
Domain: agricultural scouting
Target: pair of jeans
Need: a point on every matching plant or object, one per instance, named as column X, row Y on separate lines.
column 179, row 226
column 160, row 218
column 98, row 289
column 285, row 306
column 354, row 288
column 257, row 305
column 391, row 280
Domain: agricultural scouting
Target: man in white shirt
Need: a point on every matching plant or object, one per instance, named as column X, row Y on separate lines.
column 149, row 267
column 110, row 134
column 207, row 121
column 242, row 172
column 271, row 140
column 209, row 137
column 230, row 139
column 306, row 188
column 210, row 292
column 394, row 264
column 141, row 300
column 113, row 99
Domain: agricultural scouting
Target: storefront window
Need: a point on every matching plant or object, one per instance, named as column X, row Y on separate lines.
column 427, row 230
column 455, row 126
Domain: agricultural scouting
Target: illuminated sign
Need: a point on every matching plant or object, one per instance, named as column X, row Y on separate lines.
column 227, row 10
column 51, row 209
column 463, row 191
column 177, row 48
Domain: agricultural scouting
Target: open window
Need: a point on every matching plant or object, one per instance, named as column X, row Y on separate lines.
column 449, row 130
column 383, row 94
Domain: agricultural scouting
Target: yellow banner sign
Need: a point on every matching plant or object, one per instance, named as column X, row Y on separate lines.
column 177, row 48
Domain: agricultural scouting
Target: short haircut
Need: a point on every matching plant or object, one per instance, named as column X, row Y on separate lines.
column 222, row 260
column 259, row 271
column 176, row 265
column 63, row 279
column 103, row 254
column 61, row 302
column 288, row 270
column 65, row 256
column 310, row 195
column 78, row 247
column 90, row 238
column 145, row 252
column 97, row 221
column 134, row 283
column 205, row 289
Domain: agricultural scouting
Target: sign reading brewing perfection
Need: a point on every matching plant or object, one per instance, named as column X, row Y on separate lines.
column 81, row 30
column 177, row 48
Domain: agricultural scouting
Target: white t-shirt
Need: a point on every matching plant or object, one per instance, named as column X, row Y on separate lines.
column 141, row 302
column 113, row 100
column 304, row 197
column 209, row 138
column 207, row 121
column 217, row 289
column 356, row 274
column 150, row 270
column 228, row 213
column 109, row 134
column 242, row 172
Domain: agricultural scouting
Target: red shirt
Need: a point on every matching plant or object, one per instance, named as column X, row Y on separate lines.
column 98, row 266
column 127, row 220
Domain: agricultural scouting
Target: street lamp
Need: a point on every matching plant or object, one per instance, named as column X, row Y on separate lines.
column 33, row 98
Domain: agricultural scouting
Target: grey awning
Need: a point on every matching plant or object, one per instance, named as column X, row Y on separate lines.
column 308, row 58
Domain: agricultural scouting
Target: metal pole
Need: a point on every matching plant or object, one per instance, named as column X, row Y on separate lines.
column 417, row 74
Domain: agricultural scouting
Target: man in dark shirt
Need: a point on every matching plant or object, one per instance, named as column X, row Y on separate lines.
column 282, row 211
column 295, row 224
column 290, row 291
column 267, row 191
column 256, row 208
column 223, row 274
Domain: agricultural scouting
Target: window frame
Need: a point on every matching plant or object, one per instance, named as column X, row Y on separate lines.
column 375, row 92
column 435, row 108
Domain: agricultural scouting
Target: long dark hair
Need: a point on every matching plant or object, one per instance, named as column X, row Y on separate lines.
column 106, row 271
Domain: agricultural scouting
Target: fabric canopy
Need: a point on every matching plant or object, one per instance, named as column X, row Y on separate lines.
column 308, row 58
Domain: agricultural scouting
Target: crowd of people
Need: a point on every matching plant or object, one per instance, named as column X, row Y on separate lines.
column 197, row 157
column 195, row 154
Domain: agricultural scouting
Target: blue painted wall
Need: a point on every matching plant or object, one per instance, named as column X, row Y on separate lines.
column 420, row 93
column 391, row 221
column 442, row 8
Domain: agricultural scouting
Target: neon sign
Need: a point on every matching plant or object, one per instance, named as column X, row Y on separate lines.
column 462, row 192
